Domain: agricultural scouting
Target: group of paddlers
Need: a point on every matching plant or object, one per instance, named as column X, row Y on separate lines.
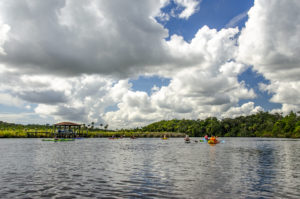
column 211, row 140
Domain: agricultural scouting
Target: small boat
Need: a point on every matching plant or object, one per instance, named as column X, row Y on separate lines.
column 213, row 142
column 165, row 137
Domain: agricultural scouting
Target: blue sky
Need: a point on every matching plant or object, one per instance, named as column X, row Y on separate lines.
column 252, row 80
column 212, row 13
column 215, row 14
column 128, row 64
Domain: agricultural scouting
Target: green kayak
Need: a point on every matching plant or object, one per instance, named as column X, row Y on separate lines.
column 59, row 140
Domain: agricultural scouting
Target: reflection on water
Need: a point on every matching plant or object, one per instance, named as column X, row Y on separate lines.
column 150, row 168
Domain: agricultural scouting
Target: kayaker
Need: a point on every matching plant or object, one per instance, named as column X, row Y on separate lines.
column 206, row 137
column 214, row 139
column 187, row 138
column 55, row 138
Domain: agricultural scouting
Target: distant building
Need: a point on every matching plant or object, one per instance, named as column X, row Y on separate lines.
column 67, row 130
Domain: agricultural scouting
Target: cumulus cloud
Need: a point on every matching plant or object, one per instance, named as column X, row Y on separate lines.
column 209, row 48
column 271, row 43
column 76, row 37
column 43, row 97
column 66, row 57
column 4, row 29
column 190, row 7
column 24, row 118
column 87, row 98
column 183, row 9
column 209, row 86
column 191, row 94
column 10, row 100
column 246, row 109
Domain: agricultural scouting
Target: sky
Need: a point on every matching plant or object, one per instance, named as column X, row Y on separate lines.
column 128, row 63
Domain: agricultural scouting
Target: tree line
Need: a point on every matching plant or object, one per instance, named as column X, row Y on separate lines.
column 262, row 124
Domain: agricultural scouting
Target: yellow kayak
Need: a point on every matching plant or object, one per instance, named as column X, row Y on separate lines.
column 212, row 142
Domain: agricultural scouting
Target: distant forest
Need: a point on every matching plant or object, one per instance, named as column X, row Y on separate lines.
column 262, row 124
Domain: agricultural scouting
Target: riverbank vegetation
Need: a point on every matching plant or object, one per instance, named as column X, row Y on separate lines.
column 10, row 130
column 262, row 124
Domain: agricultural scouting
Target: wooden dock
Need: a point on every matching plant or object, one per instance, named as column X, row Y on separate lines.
column 39, row 134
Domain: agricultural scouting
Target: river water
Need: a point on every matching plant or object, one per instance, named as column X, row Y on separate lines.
column 150, row 168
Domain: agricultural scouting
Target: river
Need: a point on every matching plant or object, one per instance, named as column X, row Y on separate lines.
column 150, row 168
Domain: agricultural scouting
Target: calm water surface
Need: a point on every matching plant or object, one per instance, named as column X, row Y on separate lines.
column 150, row 168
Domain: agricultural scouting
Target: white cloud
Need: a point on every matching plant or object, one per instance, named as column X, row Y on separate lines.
column 208, row 49
column 88, row 97
column 271, row 43
column 235, row 20
column 24, row 118
column 245, row 109
column 184, row 9
column 190, row 7
column 4, row 29
column 191, row 94
column 9, row 100
column 78, row 50
column 208, row 86
column 80, row 37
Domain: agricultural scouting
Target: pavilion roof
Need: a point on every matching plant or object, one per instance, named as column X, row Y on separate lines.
column 67, row 124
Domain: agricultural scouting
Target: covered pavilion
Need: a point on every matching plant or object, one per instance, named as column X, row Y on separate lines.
column 67, row 130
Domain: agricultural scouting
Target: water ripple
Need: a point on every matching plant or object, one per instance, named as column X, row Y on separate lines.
column 149, row 168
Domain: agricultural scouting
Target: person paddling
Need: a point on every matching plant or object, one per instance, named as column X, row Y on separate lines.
column 187, row 138
column 214, row 140
column 206, row 137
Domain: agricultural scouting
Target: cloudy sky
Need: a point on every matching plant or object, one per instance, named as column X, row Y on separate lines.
column 129, row 63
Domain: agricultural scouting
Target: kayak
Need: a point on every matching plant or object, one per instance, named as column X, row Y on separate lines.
column 212, row 142
column 164, row 138
column 203, row 140
column 59, row 140
column 187, row 140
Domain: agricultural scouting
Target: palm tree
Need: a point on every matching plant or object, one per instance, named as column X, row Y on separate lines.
column 106, row 126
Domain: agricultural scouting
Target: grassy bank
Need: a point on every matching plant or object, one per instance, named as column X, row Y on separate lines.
column 41, row 133
column 135, row 134
column 91, row 134
column 9, row 133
